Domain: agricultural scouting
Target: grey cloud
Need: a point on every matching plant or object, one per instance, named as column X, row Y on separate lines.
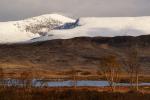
column 20, row 9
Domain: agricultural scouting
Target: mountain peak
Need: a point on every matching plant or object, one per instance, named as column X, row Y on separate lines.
column 53, row 16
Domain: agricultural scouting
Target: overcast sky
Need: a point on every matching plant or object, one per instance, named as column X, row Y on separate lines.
column 20, row 9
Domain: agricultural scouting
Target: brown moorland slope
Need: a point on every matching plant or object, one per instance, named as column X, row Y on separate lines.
column 80, row 52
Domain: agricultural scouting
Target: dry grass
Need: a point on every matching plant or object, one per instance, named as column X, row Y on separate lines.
column 12, row 93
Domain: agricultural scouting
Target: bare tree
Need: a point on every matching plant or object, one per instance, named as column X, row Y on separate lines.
column 1, row 76
column 74, row 74
column 133, row 66
column 110, row 68
column 26, row 78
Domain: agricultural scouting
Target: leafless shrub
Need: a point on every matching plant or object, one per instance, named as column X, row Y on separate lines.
column 110, row 68
column 1, row 76
column 74, row 76
column 26, row 79
column 132, row 65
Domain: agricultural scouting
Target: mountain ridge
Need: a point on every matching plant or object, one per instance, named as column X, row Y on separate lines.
column 55, row 26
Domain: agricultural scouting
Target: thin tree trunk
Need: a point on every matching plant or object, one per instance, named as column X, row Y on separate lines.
column 112, row 80
column 131, row 79
column 137, row 82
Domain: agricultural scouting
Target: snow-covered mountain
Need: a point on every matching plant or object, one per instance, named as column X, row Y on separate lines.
column 55, row 26
column 97, row 26
column 24, row 30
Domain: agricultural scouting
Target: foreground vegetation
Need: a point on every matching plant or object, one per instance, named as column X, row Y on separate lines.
column 12, row 93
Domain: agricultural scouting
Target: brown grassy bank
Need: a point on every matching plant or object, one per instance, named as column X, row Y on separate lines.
column 68, row 94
